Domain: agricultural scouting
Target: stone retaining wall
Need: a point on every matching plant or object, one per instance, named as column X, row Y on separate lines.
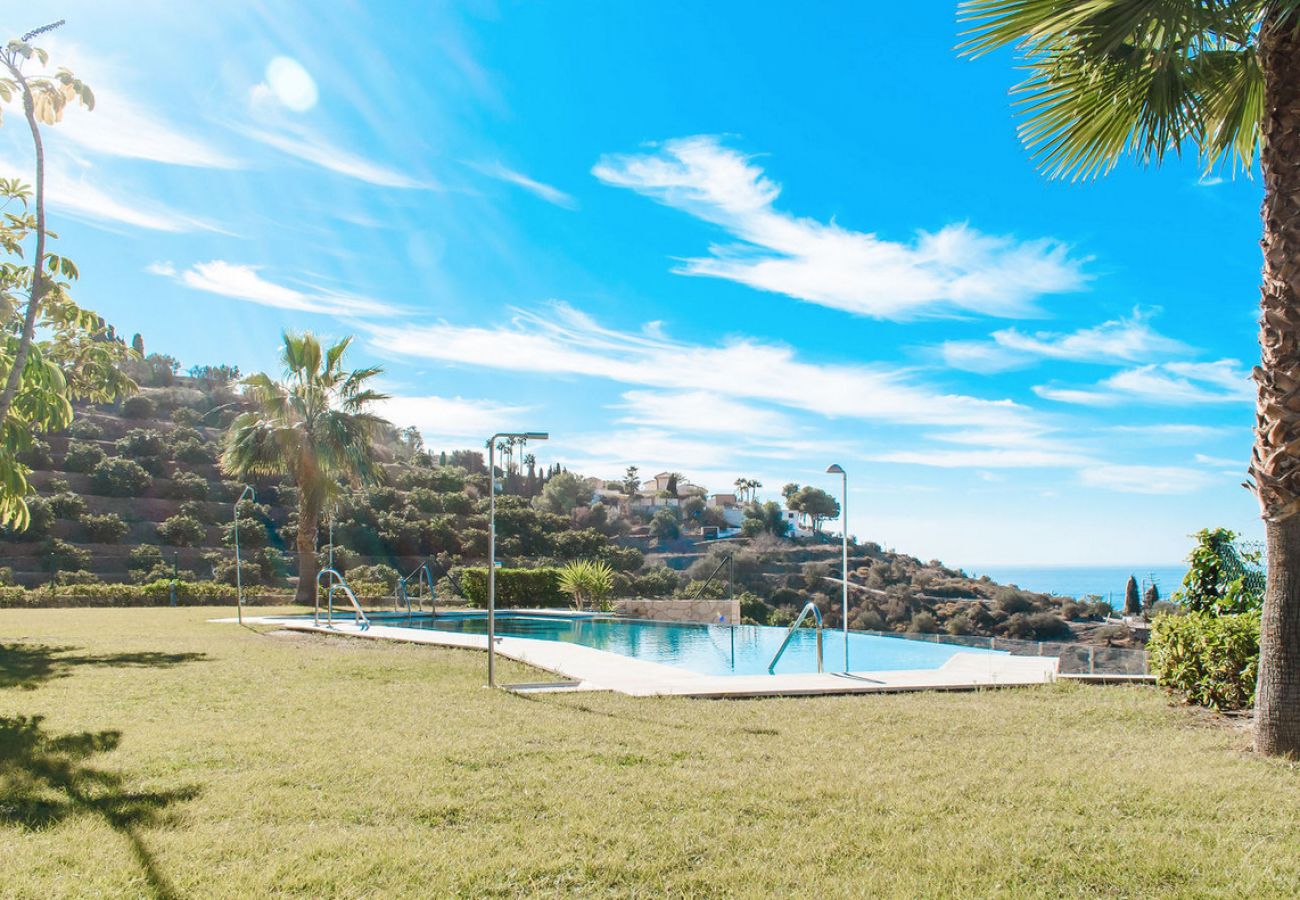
column 679, row 609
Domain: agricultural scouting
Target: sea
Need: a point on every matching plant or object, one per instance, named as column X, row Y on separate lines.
column 1077, row 581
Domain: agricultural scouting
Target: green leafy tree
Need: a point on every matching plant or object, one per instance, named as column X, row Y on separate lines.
column 564, row 493
column 314, row 428
column 1144, row 78
column 1221, row 579
column 664, row 526
column 765, row 518
column 814, row 504
column 51, row 351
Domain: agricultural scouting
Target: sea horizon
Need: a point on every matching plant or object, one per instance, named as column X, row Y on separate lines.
column 1077, row 580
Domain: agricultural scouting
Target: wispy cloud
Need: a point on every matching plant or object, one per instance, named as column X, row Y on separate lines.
column 566, row 341
column 450, row 418
column 956, row 268
column 1126, row 339
column 121, row 126
column 1172, row 383
column 320, row 152
column 1146, row 479
column 547, row 192
column 700, row 411
column 992, row 448
column 71, row 190
column 245, row 282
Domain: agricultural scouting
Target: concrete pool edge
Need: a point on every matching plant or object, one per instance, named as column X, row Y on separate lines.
column 600, row 670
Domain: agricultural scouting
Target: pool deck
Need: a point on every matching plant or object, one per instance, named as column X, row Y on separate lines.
column 599, row 670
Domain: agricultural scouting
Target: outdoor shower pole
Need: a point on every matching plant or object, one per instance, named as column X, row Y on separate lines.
column 844, row 572
column 492, row 544
column 239, row 575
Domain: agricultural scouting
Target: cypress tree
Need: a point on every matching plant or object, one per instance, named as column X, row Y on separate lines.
column 1152, row 598
column 1132, row 601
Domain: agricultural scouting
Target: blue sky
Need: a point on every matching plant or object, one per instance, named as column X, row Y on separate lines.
column 718, row 238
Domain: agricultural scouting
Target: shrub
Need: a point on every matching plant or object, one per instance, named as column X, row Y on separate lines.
column 198, row 510
column 106, row 529
column 79, row 576
column 182, row 531
column 589, row 583
column 1039, row 626
column 38, row 526
column 143, row 556
column 158, row 592
column 37, row 455
column 1212, row 660
column 183, row 415
column 67, row 505
column 141, row 442
column 515, row 587
column 382, row 576
column 117, row 477
column 187, row 486
column 924, row 623
column 139, row 407
column 57, row 555
column 1012, row 601
column 86, row 429
column 1220, row 577
column 660, row 581
column 665, row 527
column 193, row 452
column 82, row 457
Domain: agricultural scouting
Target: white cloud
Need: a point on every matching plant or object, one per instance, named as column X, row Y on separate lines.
column 119, row 126
column 69, row 191
column 1222, row 462
column 1118, row 340
column 956, row 268
column 1172, row 433
column 162, row 267
column 547, row 192
column 244, row 282
column 320, row 152
column 993, row 448
column 700, row 411
column 444, row 418
column 566, row 341
column 1146, row 479
column 1173, row 383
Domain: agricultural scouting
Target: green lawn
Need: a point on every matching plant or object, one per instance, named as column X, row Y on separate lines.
column 170, row 756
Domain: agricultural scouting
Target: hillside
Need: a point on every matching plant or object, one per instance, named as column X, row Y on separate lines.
column 133, row 492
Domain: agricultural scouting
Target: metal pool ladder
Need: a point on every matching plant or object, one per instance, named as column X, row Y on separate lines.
column 362, row 619
column 420, row 576
column 789, row 635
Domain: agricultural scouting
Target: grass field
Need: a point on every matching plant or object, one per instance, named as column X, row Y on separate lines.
column 147, row 752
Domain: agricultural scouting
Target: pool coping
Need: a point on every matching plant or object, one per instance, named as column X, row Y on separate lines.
column 601, row 670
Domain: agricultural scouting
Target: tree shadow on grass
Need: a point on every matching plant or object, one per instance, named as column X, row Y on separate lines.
column 45, row 779
column 28, row 666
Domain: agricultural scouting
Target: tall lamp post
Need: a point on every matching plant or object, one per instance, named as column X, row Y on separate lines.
column 492, row 541
column 837, row 469
column 239, row 575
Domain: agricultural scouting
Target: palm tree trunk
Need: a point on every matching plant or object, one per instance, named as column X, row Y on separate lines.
column 1275, row 460
column 308, row 523
column 14, row 376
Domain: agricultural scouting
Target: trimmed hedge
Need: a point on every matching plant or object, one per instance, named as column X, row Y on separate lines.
column 1213, row 660
column 528, row 588
column 155, row 593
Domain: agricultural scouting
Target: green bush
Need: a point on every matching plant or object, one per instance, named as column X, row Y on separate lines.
column 1221, row 577
column 86, row 429
column 193, row 452
column 82, row 457
column 183, row 415
column 141, row 442
column 660, row 581
column 37, row 455
column 382, row 576
column 117, row 477
column 57, row 556
column 154, row 593
column 1212, row 660
column 139, row 407
column 67, row 505
column 199, row 510
column 106, row 529
column 186, row 486
column 143, row 557
column 538, row 588
column 79, row 576
column 41, row 518
column 182, row 531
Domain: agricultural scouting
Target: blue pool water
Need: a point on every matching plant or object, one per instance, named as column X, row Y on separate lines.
column 708, row 649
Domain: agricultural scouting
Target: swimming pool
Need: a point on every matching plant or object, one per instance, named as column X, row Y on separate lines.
column 706, row 649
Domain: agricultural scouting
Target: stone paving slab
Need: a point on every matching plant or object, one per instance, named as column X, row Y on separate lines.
column 599, row 670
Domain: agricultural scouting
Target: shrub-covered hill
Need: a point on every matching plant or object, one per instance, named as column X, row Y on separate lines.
column 133, row 492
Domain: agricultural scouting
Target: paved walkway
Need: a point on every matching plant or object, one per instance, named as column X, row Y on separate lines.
column 599, row 670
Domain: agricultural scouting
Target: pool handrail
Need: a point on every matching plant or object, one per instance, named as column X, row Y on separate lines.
column 362, row 619
column 420, row 574
column 794, row 626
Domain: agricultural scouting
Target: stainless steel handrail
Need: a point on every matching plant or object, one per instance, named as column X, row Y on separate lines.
column 789, row 635
column 421, row 575
column 362, row 619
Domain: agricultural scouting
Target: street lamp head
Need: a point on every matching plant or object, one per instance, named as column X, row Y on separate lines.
column 835, row 469
column 537, row 435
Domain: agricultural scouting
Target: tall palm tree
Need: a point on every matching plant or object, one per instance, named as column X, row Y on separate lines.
column 313, row 428
column 1110, row 78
